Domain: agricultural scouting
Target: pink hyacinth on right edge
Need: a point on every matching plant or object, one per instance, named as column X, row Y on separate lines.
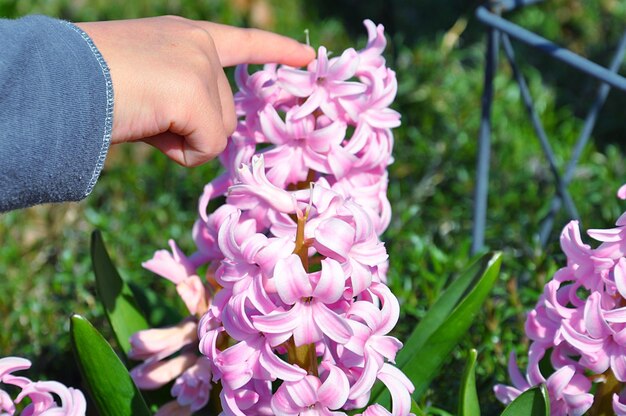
column 580, row 321
column 289, row 311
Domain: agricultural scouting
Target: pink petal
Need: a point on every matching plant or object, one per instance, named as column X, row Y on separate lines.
column 72, row 401
column 296, row 81
column 385, row 118
column 344, row 89
column 610, row 236
column 515, row 375
column 618, row 407
column 173, row 408
column 559, row 380
column 334, row 238
column 154, row 374
column 159, row 343
column 595, row 324
column 331, row 324
column 303, row 392
column 193, row 294
column 292, row 281
column 367, row 378
column 6, row 403
column 621, row 192
column 279, row 322
column 332, row 282
column 345, row 66
column 320, row 140
column 386, row 346
column 618, row 365
column 231, row 401
column 390, row 311
column 173, row 266
column 311, row 104
column 619, row 273
column 505, row 394
column 279, row 368
column 376, row 410
column 367, row 312
column 11, row 364
column 580, row 341
column 334, row 391
column 400, row 388
column 273, row 126
column 360, row 277
column 341, row 161
column 254, row 185
column 307, row 330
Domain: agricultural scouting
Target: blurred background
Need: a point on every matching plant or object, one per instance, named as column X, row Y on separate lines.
column 142, row 199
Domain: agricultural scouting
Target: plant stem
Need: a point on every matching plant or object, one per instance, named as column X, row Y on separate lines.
column 603, row 399
column 304, row 356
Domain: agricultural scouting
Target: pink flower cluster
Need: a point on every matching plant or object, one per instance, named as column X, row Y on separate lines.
column 42, row 394
column 580, row 322
column 294, row 315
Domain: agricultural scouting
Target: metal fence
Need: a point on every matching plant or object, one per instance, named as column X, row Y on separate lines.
column 500, row 32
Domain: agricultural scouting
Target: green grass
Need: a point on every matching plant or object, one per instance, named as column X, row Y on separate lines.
column 142, row 199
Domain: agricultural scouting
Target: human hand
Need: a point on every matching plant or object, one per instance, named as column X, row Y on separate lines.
column 169, row 86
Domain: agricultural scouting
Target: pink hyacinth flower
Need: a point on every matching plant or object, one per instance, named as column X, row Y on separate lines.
column 308, row 319
column 72, row 401
column 154, row 374
column 156, row 344
column 40, row 393
column 310, row 396
column 173, row 408
column 324, row 81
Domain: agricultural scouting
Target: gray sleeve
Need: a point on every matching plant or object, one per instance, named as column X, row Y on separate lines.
column 56, row 112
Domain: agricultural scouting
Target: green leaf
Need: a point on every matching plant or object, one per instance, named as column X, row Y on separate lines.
column 533, row 402
column 155, row 308
column 415, row 409
column 432, row 342
column 468, row 397
column 107, row 379
column 119, row 303
column 442, row 307
column 435, row 411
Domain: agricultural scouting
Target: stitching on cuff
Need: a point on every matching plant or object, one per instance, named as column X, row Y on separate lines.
column 108, row 121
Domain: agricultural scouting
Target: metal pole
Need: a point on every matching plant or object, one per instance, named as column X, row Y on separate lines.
column 590, row 121
column 561, row 185
column 484, row 144
column 551, row 48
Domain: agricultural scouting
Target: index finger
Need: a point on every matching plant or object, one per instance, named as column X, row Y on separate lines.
column 254, row 46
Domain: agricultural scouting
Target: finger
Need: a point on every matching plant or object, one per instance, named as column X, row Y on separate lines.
column 229, row 118
column 237, row 46
column 170, row 144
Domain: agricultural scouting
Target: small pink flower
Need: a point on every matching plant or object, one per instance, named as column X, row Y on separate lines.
column 156, row 344
column 174, row 408
column 72, row 401
column 254, row 187
column 311, row 396
column 193, row 387
column 40, row 393
column 174, row 266
column 308, row 319
column 154, row 374
column 324, row 81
